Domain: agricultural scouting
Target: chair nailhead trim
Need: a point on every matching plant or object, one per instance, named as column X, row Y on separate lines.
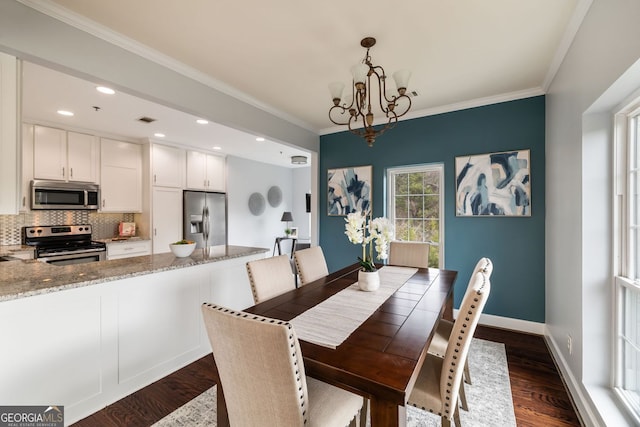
column 291, row 343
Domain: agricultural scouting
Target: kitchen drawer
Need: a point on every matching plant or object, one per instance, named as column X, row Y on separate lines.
column 126, row 249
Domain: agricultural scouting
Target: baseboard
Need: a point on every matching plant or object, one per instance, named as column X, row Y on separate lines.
column 509, row 323
column 580, row 400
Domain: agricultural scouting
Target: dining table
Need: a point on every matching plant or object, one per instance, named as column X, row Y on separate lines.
column 381, row 358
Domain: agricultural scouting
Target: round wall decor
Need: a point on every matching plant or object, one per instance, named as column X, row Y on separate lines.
column 274, row 196
column 256, row 204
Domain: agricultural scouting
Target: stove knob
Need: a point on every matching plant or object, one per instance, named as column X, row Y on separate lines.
column 32, row 231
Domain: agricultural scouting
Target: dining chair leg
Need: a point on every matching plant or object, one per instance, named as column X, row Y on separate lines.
column 463, row 398
column 467, row 373
column 456, row 417
column 446, row 422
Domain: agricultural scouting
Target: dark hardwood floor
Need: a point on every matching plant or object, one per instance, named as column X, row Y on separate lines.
column 539, row 395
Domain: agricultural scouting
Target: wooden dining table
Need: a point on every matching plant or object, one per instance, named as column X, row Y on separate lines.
column 381, row 359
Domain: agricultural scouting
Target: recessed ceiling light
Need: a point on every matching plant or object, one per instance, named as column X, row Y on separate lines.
column 159, row 135
column 105, row 90
column 65, row 113
column 217, row 148
column 259, row 139
column 202, row 121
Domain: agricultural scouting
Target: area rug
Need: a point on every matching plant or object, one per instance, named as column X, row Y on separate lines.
column 489, row 398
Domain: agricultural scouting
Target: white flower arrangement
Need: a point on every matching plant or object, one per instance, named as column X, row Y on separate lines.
column 364, row 231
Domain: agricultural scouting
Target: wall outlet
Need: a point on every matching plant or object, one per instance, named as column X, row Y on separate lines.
column 569, row 344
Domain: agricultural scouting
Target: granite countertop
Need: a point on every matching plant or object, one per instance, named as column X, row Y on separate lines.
column 20, row 279
column 9, row 250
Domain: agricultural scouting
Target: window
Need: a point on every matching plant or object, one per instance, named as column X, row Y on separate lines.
column 627, row 210
column 414, row 205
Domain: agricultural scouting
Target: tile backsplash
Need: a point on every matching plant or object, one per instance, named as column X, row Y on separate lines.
column 104, row 225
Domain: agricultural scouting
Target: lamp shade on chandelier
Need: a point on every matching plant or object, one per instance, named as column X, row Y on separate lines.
column 355, row 108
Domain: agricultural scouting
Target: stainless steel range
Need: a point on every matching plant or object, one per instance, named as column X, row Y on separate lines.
column 64, row 244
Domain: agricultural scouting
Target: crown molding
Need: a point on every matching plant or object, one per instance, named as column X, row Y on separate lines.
column 479, row 102
column 570, row 32
column 82, row 23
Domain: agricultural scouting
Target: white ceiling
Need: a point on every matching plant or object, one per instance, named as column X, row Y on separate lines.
column 281, row 54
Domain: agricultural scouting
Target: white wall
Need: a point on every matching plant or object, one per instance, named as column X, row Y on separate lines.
column 579, row 199
column 244, row 178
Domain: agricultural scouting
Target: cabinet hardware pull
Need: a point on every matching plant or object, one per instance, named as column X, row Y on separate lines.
column 24, row 201
column 71, row 172
column 103, row 203
column 154, row 178
column 63, row 171
column 155, row 231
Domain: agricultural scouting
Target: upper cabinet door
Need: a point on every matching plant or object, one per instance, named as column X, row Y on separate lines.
column 205, row 172
column 196, row 170
column 50, row 153
column 66, row 156
column 168, row 166
column 121, row 176
column 216, row 173
column 82, row 161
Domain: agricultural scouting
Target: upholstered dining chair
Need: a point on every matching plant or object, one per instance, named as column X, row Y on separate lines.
column 409, row 254
column 270, row 277
column 310, row 264
column 262, row 373
column 440, row 339
column 440, row 379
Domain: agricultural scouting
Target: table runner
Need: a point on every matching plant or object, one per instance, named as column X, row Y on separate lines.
column 332, row 321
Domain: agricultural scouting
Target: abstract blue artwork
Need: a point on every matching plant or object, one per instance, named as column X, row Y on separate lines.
column 349, row 190
column 494, row 184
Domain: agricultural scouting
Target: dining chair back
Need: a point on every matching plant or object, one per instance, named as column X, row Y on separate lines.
column 262, row 374
column 310, row 264
column 270, row 277
column 439, row 381
column 438, row 345
column 409, row 254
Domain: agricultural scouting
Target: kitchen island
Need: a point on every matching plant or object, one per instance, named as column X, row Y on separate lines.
column 20, row 279
column 86, row 335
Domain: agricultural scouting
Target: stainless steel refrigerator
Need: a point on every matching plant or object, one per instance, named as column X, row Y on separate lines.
column 205, row 218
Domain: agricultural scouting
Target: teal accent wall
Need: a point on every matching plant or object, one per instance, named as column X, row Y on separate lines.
column 516, row 245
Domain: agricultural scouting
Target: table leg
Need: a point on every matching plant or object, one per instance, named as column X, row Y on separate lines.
column 387, row 414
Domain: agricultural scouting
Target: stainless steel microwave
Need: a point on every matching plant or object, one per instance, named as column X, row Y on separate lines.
column 64, row 195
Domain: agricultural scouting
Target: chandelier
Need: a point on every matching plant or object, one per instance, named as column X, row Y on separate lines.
column 355, row 109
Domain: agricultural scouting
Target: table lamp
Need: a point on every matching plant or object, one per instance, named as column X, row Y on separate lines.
column 286, row 216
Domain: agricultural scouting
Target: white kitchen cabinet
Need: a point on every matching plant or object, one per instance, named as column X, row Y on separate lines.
column 27, row 167
column 121, row 176
column 168, row 165
column 82, row 157
column 166, row 217
column 62, row 155
column 128, row 249
column 205, row 171
column 9, row 122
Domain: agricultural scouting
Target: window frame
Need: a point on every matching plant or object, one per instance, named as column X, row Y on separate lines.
column 390, row 198
column 625, row 259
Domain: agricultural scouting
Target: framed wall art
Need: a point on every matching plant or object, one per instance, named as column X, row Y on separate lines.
column 349, row 190
column 494, row 184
